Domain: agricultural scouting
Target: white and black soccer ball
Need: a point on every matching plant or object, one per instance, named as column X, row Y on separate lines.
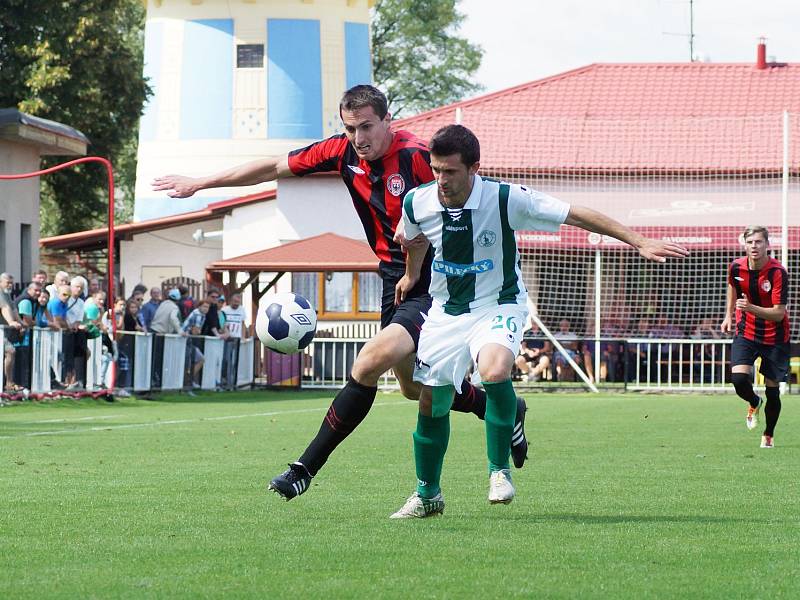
column 286, row 323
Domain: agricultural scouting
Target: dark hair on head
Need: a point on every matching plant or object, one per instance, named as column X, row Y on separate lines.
column 139, row 287
column 756, row 229
column 361, row 96
column 456, row 139
column 183, row 288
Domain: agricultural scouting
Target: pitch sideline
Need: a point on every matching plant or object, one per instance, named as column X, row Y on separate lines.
column 177, row 421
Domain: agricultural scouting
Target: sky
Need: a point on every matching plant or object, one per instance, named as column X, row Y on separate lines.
column 525, row 40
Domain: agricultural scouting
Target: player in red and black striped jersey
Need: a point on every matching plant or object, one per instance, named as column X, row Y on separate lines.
column 758, row 290
column 378, row 167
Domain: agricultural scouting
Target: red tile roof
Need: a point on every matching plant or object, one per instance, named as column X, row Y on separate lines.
column 97, row 237
column 325, row 252
column 688, row 117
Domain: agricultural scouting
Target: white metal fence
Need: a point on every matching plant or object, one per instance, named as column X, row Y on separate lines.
column 144, row 362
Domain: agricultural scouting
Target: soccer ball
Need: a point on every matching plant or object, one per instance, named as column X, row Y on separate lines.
column 286, row 323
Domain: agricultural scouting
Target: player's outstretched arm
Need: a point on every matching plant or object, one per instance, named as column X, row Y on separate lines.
column 251, row 173
column 655, row 250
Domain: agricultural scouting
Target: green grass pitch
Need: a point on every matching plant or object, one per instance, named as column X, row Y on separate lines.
column 624, row 496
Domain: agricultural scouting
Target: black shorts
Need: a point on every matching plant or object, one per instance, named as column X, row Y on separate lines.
column 412, row 311
column 774, row 357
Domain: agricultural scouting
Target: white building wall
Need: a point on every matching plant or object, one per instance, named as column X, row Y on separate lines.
column 19, row 203
column 195, row 157
column 171, row 252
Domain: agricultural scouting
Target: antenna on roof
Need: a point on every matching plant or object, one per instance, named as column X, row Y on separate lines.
column 690, row 35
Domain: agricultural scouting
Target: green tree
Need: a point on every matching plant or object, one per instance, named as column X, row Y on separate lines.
column 418, row 58
column 79, row 63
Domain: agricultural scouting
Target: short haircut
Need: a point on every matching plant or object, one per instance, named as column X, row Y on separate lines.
column 361, row 96
column 203, row 302
column 41, row 272
column 34, row 284
column 456, row 139
column 756, row 229
column 139, row 287
column 7, row 276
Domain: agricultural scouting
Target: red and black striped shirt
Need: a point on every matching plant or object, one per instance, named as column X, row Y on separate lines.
column 377, row 187
column 767, row 288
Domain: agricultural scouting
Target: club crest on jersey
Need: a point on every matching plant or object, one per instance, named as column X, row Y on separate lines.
column 486, row 238
column 355, row 169
column 395, row 184
column 766, row 285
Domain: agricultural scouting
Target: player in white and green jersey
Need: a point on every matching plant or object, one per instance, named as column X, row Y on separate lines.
column 479, row 299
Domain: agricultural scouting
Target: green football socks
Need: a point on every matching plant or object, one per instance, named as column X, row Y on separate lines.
column 501, row 410
column 430, row 445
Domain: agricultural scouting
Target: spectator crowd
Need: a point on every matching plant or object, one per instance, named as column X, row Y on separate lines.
column 77, row 307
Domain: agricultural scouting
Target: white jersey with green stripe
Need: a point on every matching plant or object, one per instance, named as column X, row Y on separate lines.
column 476, row 259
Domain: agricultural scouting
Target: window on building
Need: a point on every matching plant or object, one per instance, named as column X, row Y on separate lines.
column 25, row 267
column 370, row 287
column 333, row 294
column 250, row 56
column 307, row 285
column 338, row 292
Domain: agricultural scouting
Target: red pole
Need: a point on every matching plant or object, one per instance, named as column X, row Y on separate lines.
column 110, row 173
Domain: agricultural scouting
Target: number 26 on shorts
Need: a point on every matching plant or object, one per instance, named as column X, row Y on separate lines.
column 510, row 324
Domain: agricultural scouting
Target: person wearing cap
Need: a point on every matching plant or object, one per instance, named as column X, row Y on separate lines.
column 167, row 318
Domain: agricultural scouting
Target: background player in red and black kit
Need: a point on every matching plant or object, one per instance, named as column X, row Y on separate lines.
column 758, row 288
column 378, row 167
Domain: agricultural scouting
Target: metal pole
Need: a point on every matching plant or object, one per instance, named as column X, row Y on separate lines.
column 597, row 280
column 785, row 193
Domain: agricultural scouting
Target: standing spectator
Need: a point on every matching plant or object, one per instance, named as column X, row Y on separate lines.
column 61, row 278
column 75, row 342
column 9, row 318
column 221, row 315
column 235, row 316
column 119, row 314
column 94, row 287
column 43, row 317
column 27, row 305
column 149, row 308
column 211, row 326
column 755, row 311
column 186, row 301
column 57, row 307
column 40, row 277
column 193, row 325
column 130, row 319
column 167, row 318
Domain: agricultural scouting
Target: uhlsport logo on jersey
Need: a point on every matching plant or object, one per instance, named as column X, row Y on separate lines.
column 456, row 270
column 486, row 238
column 356, row 170
column 395, row 184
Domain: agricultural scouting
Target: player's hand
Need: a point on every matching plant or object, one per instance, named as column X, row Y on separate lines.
column 402, row 288
column 743, row 304
column 182, row 187
column 725, row 326
column 659, row 251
